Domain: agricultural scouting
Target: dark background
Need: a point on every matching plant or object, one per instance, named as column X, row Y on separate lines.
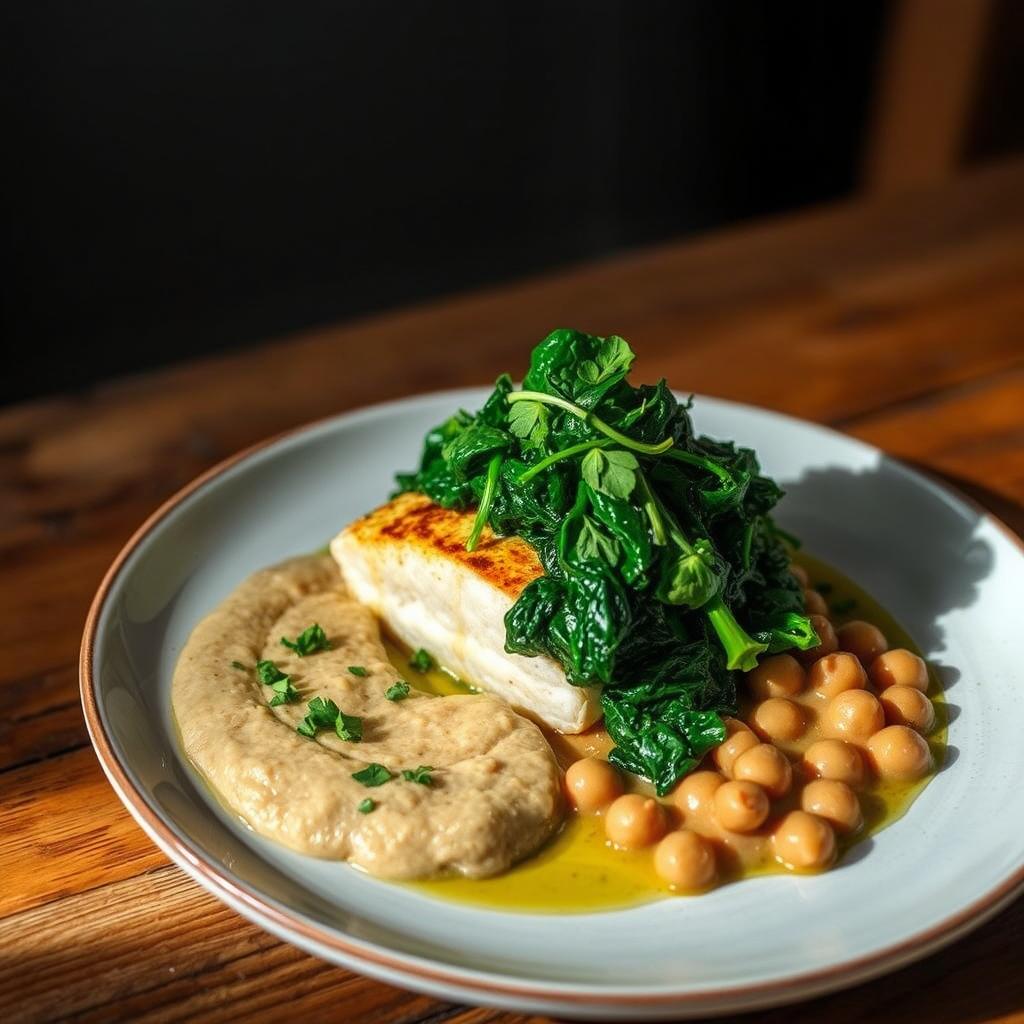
column 184, row 177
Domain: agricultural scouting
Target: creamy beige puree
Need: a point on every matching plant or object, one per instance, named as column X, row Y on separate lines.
column 495, row 792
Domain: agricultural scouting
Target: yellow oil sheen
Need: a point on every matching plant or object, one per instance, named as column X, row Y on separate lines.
column 579, row 871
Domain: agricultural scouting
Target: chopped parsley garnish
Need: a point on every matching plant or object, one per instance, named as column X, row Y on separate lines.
column 422, row 661
column 358, row 670
column 373, row 775
column 367, row 805
column 309, row 641
column 397, row 691
column 284, row 692
column 270, row 675
column 348, row 727
column 239, row 666
column 420, row 775
column 323, row 713
column 320, row 714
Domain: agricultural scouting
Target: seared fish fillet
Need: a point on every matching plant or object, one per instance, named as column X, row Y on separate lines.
column 407, row 561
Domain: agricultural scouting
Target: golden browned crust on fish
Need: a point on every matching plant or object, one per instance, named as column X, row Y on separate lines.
column 508, row 563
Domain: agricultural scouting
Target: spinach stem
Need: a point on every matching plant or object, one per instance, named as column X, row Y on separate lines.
column 741, row 649
column 748, row 541
column 564, row 453
column 650, row 505
column 698, row 460
column 592, row 420
column 484, row 508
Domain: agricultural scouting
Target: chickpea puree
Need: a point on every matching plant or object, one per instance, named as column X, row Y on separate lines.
column 829, row 747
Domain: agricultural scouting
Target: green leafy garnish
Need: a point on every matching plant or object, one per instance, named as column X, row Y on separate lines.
column 529, row 422
column 367, row 805
column 664, row 573
column 323, row 713
column 422, row 661
column 691, row 577
column 309, row 641
column 270, row 675
column 397, row 691
column 420, row 775
column 612, row 358
column 373, row 775
column 239, row 666
column 358, row 670
column 348, row 727
column 610, row 472
column 284, row 692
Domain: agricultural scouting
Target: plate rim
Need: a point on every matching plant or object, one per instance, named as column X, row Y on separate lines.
column 192, row 859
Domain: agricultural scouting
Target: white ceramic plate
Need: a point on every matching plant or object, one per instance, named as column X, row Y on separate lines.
column 951, row 574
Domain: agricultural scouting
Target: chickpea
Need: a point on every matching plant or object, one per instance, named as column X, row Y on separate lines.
column 800, row 574
column 835, row 759
column 835, row 802
column 906, row 705
column 592, row 784
column 740, row 806
column 867, row 642
column 836, row 673
column 804, row 841
column 780, row 675
column 740, row 740
column 778, row 719
column 826, row 636
column 634, row 821
column 767, row 766
column 899, row 753
column 814, row 603
column 685, row 860
column 733, row 726
column 899, row 667
column 694, row 795
column 853, row 715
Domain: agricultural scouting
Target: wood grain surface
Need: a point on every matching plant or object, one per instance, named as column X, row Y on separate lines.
column 899, row 320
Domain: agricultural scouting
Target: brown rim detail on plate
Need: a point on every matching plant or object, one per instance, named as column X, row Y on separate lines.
column 819, row 981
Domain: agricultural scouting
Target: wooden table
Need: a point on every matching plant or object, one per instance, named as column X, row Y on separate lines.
column 900, row 322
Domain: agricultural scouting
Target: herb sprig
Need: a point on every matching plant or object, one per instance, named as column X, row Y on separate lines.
column 421, row 775
column 323, row 713
column 309, row 641
column 270, row 675
column 373, row 774
column 664, row 572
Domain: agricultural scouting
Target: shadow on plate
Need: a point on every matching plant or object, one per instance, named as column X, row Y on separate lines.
column 875, row 526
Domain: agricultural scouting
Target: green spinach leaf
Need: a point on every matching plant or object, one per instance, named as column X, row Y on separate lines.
column 664, row 573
